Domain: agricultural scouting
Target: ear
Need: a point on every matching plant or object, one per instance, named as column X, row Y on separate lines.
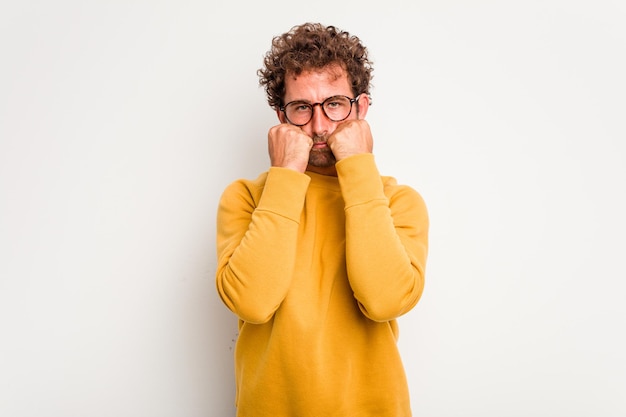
column 362, row 105
column 281, row 116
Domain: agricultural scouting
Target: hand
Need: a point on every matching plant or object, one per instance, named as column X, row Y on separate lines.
column 351, row 138
column 289, row 147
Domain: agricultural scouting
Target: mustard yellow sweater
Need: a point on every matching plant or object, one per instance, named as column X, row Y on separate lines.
column 317, row 269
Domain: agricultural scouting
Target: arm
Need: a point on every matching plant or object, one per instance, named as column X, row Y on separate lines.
column 386, row 240
column 256, row 243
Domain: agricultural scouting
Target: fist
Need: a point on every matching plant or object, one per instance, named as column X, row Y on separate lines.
column 289, row 147
column 351, row 137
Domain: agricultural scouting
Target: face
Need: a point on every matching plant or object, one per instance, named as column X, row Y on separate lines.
column 314, row 87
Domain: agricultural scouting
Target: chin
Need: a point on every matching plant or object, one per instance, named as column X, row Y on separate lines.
column 322, row 162
column 322, row 159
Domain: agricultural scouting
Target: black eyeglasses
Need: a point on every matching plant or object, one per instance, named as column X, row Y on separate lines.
column 336, row 108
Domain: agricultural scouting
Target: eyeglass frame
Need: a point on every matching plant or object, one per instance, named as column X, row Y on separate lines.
column 312, row 105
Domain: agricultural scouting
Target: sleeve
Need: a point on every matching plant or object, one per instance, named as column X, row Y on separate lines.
column 386, row 240
column 256, row 244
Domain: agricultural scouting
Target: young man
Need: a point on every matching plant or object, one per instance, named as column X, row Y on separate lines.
column 319, row 255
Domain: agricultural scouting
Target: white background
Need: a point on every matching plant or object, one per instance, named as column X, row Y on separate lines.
column 122, row 121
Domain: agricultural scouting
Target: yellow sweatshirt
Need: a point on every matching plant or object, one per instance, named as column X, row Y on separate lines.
column 317, row 269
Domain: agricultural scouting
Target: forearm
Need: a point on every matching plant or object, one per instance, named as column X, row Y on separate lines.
column 386, row 241
column 257, row 243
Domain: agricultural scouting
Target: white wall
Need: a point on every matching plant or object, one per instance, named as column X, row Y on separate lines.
column 121, row 123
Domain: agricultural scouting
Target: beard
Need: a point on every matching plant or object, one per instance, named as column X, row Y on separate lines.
column 321, row 158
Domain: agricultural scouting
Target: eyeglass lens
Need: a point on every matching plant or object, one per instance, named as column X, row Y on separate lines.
column 336, row 108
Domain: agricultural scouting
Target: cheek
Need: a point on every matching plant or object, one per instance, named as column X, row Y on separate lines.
column 308, row 130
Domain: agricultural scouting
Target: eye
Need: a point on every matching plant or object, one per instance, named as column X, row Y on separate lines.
column 337, row 102
column 299, row 107
column 302, row 107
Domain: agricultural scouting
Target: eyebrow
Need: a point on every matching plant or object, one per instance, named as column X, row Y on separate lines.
column 310, row 102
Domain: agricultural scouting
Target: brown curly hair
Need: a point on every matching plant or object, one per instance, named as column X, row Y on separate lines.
column 313, row 46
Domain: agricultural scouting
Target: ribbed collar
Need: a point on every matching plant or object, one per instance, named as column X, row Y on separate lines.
column 325, row 181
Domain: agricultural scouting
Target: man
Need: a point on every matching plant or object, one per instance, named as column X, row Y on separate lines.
column 319, row 255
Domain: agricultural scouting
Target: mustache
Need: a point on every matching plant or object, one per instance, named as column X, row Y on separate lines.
column 318, row 139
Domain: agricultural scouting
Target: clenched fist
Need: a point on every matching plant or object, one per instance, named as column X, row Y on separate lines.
column 351, row 137
column 289, row 147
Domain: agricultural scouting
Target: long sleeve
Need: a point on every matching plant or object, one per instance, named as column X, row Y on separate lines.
column 294, row 250
column 257, row 227
column 386, row 239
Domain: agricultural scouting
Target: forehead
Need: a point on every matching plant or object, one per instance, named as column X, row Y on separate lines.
column 317, row 84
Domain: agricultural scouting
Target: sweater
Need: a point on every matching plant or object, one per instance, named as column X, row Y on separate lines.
column 318, row 269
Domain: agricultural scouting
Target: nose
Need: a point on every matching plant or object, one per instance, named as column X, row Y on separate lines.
column 319, row 121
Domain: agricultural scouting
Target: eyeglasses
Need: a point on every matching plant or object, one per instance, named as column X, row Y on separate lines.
column 336, row 108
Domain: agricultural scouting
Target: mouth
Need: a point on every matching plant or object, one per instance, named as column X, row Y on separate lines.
column 320, row 145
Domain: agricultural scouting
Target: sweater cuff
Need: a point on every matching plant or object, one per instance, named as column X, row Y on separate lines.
column 284, row 192
column 359, row 179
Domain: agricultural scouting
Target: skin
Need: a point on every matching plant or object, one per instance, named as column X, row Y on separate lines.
column 319, row 144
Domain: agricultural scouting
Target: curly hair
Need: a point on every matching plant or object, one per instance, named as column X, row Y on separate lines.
column 313, row 46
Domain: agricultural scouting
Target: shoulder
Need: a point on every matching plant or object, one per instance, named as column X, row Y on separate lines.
column 242, row 189
column 402, row 193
